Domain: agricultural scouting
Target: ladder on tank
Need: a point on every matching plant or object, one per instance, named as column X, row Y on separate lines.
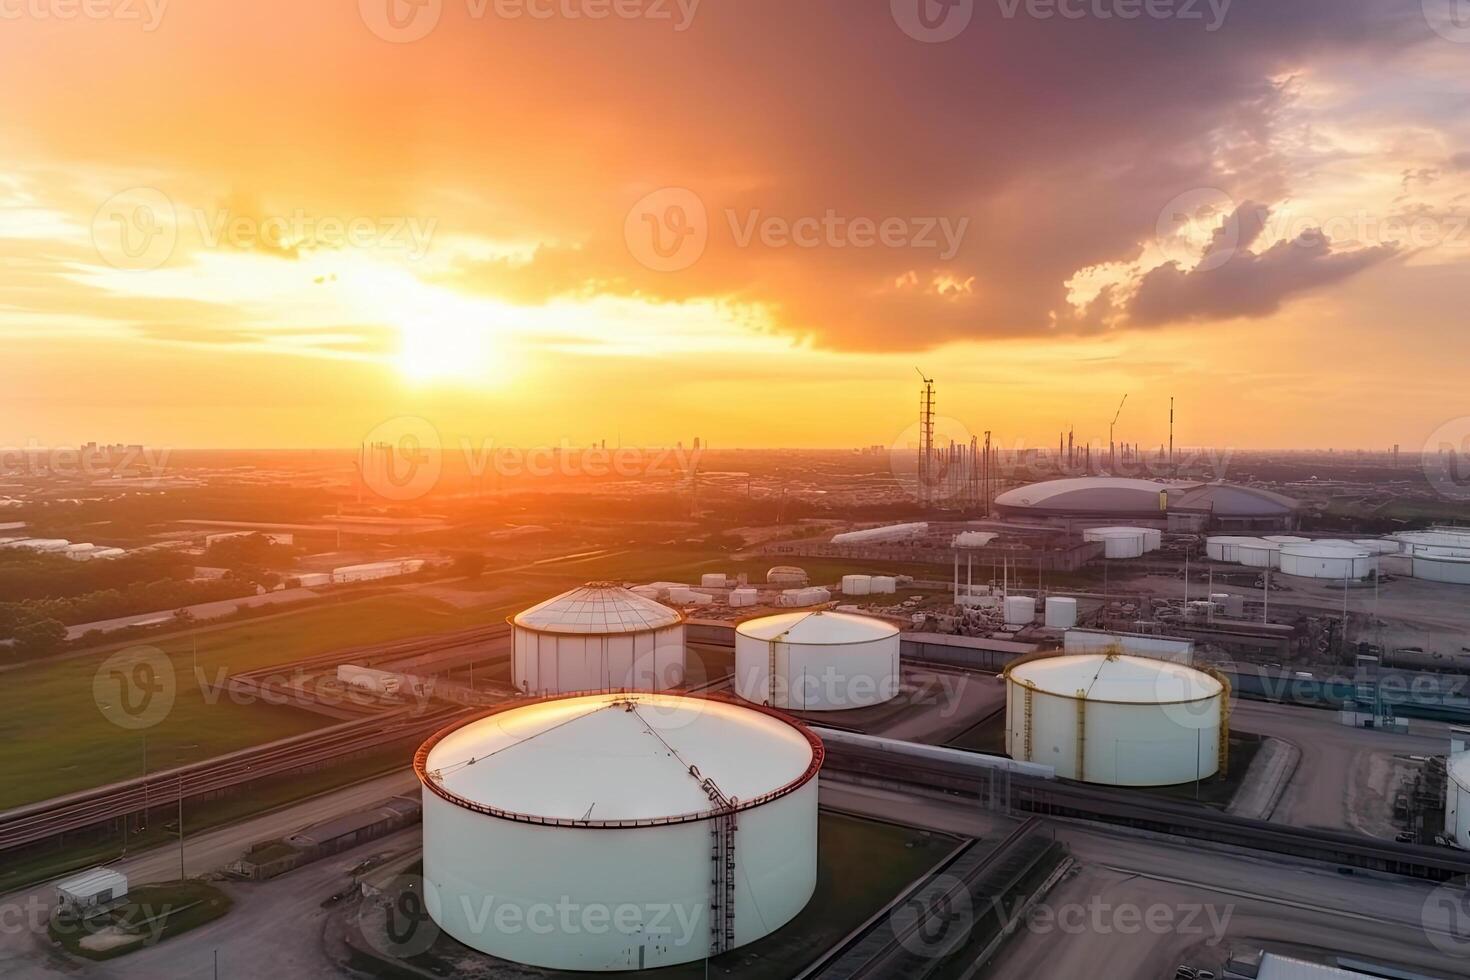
column 722, row 866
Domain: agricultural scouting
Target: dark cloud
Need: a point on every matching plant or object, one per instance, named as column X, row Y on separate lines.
column 1233, row 282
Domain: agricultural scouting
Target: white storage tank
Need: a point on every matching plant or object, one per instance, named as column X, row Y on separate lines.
column 712, row 580
column 1061, row 612
column 817, row 661
column 1442, row 568
column 812, row 595
column 616, row 803
column 1259, row 554
column 1153, row 538
column 743, row 597
column 1020, row 610
column 1225, row 547
column 857, row 585
column 884, row 585
column 786, row 575
column 1113, row 719
column 1457, row 791
column 1327, row 561
column 600, row 636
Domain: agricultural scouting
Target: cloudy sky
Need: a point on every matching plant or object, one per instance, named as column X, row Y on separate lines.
column 535, row 221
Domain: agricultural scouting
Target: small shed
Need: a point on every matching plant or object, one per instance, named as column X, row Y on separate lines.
column 92, row 891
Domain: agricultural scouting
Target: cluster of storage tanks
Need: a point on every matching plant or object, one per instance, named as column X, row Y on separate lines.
column 869, row 584
column 612, row 790
column 1435, row 555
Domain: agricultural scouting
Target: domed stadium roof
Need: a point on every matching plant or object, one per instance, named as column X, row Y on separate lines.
column 1106, row 496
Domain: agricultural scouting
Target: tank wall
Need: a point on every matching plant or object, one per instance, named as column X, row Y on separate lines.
column 569, row 898
column 1124, row 745
column 812, row 677
column 1457, row 813
column 549, row 663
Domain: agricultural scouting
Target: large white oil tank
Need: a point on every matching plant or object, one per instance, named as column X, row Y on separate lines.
column 1442, row 568
column 1328, row 561
column 857, row 585
column 884, row 585
column 816, row 661
column 612, row 805
column 1020, row 610
column 1259, row 554
column 1377, row 546
column 597, row 637
column 1061, row 612
column 1119, row 720
column 1225, row 547
column 1457, row 792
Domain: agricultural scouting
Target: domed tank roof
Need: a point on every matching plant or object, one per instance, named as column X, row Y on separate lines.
column 817, row 628
column 598, row 607
column 604, row 759
column 1117, row 678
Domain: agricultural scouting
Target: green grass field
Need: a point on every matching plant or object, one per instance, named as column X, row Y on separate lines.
column 56, row 739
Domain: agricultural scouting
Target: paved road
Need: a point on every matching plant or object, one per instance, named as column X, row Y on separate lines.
column 1347, row 776
column 1200, row 899
column 21, row 945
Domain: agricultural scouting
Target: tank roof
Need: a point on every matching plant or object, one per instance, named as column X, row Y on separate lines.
column 1117, row 678
column 818, row 628
column 598, row 607
column 617, row 759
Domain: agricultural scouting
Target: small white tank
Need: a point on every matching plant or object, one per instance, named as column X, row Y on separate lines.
column 1061, row 612
column 1020, row 610
column 857, row 585
column 712, row 580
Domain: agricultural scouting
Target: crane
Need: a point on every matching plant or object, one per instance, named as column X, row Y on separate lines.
column 1111, row 461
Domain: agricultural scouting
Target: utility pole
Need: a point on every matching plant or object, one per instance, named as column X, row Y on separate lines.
column 182, row 875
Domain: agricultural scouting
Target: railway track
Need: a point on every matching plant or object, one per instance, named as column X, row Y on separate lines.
column 48, row 818
column 1034, row 795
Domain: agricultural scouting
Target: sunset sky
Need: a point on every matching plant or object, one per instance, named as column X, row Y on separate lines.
column 279, row 223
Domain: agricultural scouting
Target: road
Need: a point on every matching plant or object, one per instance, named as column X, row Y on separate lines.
column 1199, row 899
column 1347, row 776
column 20, row 948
